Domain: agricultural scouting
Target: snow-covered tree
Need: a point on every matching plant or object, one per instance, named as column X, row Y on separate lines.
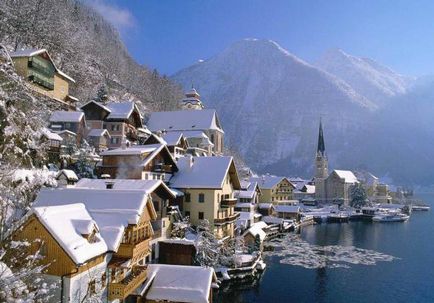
column 359, row 197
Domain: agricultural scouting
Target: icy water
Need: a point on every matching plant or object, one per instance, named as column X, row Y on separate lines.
column 350, row 262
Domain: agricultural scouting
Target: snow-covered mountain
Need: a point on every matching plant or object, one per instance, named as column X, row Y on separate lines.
column 376, row 82
column 270, row 103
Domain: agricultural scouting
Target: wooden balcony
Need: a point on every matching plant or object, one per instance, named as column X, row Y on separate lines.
column 122, row 289
column 228, row 202
column 129, row 250
column 226, row 220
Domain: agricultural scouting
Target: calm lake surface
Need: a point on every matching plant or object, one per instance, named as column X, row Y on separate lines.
column 409, row 277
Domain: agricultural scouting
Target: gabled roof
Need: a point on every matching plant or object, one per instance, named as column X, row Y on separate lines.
column 67, row 224
column 268, row 181
column 66, row 116
column 96, row 132
column 347, row 175
column 34, row 52
column 204, row 172
column 97, row 104
column 178, row 283
column 184, row 120
column 112, row 210
column 121, row 110
column 152, row 150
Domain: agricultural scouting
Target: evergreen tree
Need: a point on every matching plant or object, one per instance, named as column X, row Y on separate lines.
column 359, row 197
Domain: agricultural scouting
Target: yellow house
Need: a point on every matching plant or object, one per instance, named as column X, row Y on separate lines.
column 274, row 189
column 37, row 67
column 209, row 184
column 122, row 211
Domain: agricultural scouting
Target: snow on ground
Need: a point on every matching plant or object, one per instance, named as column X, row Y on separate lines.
column 295, row 251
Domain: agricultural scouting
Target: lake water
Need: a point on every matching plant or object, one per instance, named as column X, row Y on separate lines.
column 349, row 262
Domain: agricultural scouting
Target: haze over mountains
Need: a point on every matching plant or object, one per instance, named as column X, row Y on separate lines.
column 270, row 103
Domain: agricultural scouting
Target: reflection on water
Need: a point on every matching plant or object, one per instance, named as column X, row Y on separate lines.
column 291, row 277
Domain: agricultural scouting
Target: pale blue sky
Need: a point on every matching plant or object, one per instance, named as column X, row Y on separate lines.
column 172, row 34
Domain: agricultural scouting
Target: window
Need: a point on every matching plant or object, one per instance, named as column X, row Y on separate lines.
column 187, row 214
column 201, row 198
column 201, row 215
column 187, row 197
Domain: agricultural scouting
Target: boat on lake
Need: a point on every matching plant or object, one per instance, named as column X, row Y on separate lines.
column 390, row 217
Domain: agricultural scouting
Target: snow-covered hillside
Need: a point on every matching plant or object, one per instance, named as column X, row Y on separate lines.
column 369, row 78
column 270, row 103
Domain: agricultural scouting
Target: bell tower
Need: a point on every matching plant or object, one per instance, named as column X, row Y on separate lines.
column 321, row 167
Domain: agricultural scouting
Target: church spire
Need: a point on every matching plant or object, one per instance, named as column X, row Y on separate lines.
column 321, row 146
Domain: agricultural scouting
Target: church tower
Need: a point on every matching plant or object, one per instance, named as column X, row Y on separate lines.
column 191, row 100
column 321, row 167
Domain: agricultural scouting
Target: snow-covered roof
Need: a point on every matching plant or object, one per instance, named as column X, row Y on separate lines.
column 148, row 186
column 258, row 229
column 30, row 52
column 65, row 116
column 112, row 209
column 120, row 110
column 178, row 283
column 347, row 175
column 67, row 224
column 69, row 174
column 184, row 120
column 265, row 205
column 309, row 189
column 287, row 208
column 172, row 138
column 268, row 181
column 204, row 172
column 98, row 104
column 98, row 132
column 246, row 194
column 50, row 135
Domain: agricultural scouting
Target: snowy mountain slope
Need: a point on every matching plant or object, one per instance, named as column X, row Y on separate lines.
column 369, row 78
column 270, row 102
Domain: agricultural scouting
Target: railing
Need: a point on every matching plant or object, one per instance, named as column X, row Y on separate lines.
column 121, row 289
column 130, row 250
column 228, row 202
column 226, row 220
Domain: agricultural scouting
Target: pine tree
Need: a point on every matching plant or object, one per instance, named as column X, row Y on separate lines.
column 359, row 197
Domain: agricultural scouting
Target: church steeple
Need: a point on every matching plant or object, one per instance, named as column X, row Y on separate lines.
column 321, row 146
column 191, row 100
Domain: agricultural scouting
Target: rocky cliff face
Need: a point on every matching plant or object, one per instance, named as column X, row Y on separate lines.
column 270, row 103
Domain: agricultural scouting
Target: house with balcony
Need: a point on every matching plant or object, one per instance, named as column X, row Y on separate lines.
column 39, row 69
column 122, row 120
column 123, row 211
column 209, row 185
column 146, row 162
column 201, row 128
column 73, row 121
column 274, row 189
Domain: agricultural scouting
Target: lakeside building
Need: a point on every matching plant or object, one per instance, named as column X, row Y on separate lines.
column 101, row 247
column 201, row 127
column 208, row 184
column 274, row 189
column 39, row 69
column 247, row 204
column 122, row 120
column 336, row 186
